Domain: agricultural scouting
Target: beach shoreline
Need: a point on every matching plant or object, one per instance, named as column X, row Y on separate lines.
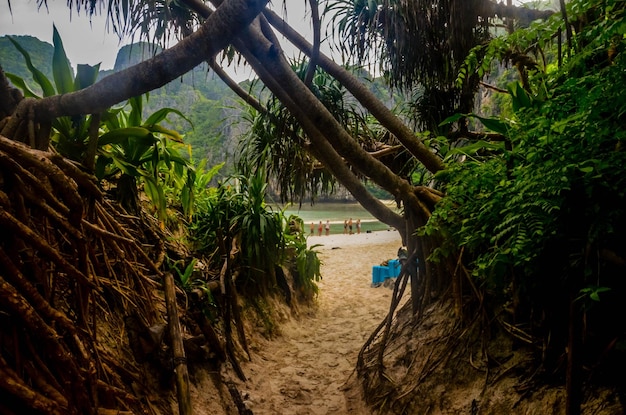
column 335, row 241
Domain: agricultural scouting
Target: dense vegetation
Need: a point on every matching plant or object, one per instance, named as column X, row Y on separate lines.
column 13, row 61
column 516, row 215
column 216, row 117
column 210, row 106
column 533, row 215
column 235, row 244
column 540, row 219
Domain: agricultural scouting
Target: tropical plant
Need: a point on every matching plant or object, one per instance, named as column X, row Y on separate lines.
column 236, row 217
column 196, row 285
column 378, row 33
column 129, row 148
column 133, row 151
column 203, row 190
column 308, row 264
column 70, row 135
column 540, row 221
column 328, row 140
column 276, row 141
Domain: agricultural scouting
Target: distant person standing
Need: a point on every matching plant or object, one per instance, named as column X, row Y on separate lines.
column 358, row 226
column 327, row 227
column 350, row 226
column 312, row 228
column 345, row 226
column 319, row 229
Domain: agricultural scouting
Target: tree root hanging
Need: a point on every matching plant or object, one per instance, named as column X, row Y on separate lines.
column 381, row 352
column 231, row 312
column 68, row 261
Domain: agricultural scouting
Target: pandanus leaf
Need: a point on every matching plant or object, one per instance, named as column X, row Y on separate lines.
column 61, row 68
column 38, row 76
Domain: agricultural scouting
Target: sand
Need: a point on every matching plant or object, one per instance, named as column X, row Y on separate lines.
column 303, row 370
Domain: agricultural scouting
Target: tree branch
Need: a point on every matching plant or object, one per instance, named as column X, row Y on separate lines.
column 268, row 62
column 320, row 147
column 493, row 87
column 215, row 34
column 315, row 52
column 388, row 119
column 234, row 86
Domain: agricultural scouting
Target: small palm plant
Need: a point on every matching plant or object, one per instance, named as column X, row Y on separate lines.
column 307, row 263
column 69, row 135
column 237, row 212
column 134, row 152
column 130, row 152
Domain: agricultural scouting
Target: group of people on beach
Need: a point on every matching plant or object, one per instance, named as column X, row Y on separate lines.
column 347, row 227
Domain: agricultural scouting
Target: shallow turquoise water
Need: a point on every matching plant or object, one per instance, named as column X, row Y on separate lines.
column 336, row 213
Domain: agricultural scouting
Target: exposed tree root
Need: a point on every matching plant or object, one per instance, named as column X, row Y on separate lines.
column 438, row 364
column 69, row 260
column 79, row 302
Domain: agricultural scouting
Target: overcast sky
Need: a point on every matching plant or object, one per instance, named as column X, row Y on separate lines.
column 88, row 42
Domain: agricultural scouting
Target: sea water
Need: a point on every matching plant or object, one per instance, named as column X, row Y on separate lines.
column 336, row 213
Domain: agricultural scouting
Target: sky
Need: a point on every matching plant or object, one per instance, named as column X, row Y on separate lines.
column 89, row 42
column 85, row 42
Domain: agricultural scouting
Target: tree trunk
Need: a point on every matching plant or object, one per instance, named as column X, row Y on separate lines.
column 322, row 129
column 178, row 350
column 330, row 143
column 365, row 97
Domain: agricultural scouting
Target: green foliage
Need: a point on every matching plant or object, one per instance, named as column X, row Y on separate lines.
column 593, row 292
column 236, row 213
column 202, row 191
column 13, row 62
column 192, row 281
column 538, row 218
column 276, row 142
column 210, row 137
column 69, row 134
column 205, row 100
column 185, row 276
column 308, row 265
column 261, row 235
column 39, row 78
column 133, row 151
column 503, row 208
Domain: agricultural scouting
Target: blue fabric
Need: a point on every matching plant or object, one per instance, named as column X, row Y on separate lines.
column 394, row 266
column 379, row 273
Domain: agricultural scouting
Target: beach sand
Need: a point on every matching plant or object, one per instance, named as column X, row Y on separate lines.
column 303, row 370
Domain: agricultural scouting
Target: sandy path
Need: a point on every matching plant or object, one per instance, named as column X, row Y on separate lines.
column 303, row 371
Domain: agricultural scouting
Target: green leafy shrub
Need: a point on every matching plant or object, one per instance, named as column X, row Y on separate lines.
column 236, row 215
column 308, row 265
column 541, row 222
